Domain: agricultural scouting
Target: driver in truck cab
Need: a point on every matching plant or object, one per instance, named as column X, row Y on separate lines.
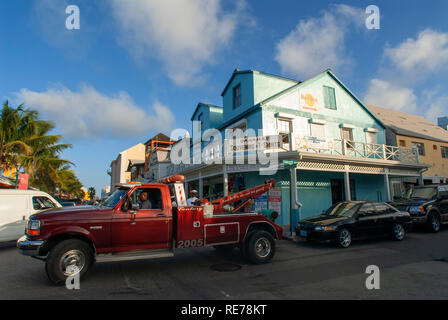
column 144, row 202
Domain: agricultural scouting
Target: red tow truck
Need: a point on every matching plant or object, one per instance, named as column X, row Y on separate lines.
column 144, row 221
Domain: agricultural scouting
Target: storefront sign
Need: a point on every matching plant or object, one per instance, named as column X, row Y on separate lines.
column 261, row 203
column 313, row 143
column 309, row 102
column 275, row 199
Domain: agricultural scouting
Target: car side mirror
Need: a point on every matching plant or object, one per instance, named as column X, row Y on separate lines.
column 135, row 207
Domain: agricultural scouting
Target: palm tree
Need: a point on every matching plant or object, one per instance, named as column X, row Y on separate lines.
column 92, row 193
column 25, row 143
column 15, row 126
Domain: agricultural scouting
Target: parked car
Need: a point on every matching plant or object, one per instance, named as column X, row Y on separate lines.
column 349, row 220
column 66, row 202
column 427, row 205
column 16, row 206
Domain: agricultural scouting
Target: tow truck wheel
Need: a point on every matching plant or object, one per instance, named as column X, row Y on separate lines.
column 260, row 247
column 68, row 259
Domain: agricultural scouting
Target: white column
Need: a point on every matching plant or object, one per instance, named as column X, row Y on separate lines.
column 348, row 195
column 387, row 184
column 225, row 177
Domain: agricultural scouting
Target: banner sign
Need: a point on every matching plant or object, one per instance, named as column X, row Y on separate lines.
column 23, row 181
column 313, row 143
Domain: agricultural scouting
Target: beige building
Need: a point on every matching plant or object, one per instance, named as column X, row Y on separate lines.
column 118, row 170
column 428, row 139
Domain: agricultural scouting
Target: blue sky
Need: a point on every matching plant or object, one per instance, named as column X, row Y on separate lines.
column 138, row 67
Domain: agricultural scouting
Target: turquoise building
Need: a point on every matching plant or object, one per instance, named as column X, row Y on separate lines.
column 329, row 145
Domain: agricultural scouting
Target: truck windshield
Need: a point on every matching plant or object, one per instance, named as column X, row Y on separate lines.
column 114, row 198
column 423, row 193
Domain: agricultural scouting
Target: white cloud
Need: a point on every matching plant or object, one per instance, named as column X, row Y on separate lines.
column 438, row 108
column 384, row 94
column 426, row 53
column 88, row 113
column 184, row 34
column 317, row 44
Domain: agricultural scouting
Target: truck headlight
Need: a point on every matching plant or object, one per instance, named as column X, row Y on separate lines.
column 416, row 209
column 33, row 227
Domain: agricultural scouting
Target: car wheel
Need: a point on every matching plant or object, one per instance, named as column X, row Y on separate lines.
column 433, row 222
column 260, row 247
column 398, row 232
column 67, row 259
column 344, row 238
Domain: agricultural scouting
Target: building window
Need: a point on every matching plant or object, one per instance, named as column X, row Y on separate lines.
column 371, row 138
column 237, row 96
column 329, row 98
column 420, row 147
column 347, row 134
column 284, row 129
column 402, row 143
column 317, row 130
column 444, row 152
column 434, row 147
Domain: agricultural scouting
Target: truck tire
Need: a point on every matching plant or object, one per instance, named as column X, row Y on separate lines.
column 433, row 222
column 260, row 247
column 66, row 255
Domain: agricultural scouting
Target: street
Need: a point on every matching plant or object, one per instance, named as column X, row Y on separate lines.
column 411, row 269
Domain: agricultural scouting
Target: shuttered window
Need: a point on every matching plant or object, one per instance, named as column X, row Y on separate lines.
column 330, row 98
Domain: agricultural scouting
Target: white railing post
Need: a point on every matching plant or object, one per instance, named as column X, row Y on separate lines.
column 344, row 147
column 384, row 152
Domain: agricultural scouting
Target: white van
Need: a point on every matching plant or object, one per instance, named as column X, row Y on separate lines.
column 15, row 208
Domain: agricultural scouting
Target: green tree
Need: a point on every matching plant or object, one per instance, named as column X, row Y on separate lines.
column 92, row 193
column 16, row 125
column 26, row 143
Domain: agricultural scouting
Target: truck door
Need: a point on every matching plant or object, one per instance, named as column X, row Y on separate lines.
column 149, row 228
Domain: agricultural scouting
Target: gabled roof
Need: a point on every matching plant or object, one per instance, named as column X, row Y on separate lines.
column 159, row 137
column 237, row 72
column 200, row 104
column 299, row 84
column 410, row 125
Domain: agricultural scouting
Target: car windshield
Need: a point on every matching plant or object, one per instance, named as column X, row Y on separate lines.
column 343, row 209
column 114, row 198
column 423, row 193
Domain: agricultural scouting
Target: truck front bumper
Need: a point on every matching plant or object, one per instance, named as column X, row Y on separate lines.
column 29, row 247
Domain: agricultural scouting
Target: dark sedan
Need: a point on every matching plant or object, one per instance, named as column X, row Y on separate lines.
column 349, row 220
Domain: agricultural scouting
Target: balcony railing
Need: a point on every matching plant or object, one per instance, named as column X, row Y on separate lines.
column 294, row 143
column 365, row 150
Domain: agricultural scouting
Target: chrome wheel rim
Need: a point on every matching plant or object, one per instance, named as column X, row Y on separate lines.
column 72, row 262
column 399, row 232
column 262, row 247
column 345, row 238
column 435, row 223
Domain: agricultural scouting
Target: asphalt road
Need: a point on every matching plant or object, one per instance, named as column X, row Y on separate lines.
column 411, row 269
